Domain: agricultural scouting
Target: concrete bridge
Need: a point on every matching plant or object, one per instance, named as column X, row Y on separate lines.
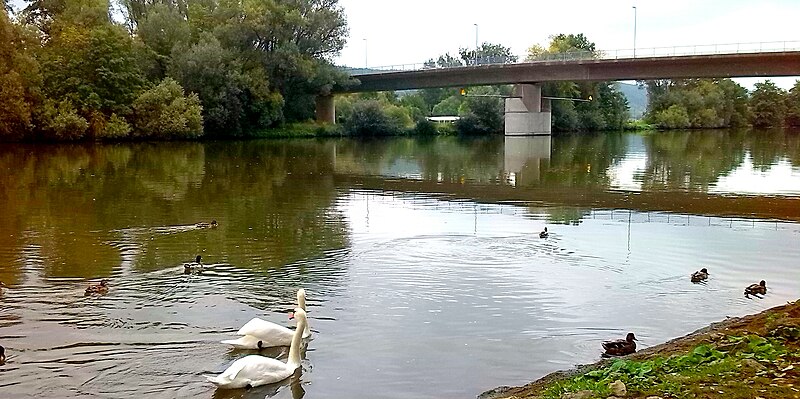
column 527, row 113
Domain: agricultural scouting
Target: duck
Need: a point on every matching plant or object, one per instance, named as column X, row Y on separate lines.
column 699, row 276
column 97, row 289
column 756, row 289
column 206, row 225
column 259, row 334
column 620, row 347
column 255, row 370
column 544, row 234
column 2, row 285
column 196, row 266
column 2, row 355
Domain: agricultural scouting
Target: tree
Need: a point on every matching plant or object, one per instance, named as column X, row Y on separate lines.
column 164, row 112
column 793, row 105
column 19, row 80
column 370, row 119
column 609, row 108
column 488, row 53
column 768, row 104
column 707, row 103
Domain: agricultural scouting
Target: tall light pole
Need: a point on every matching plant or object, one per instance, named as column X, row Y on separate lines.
column 366, row 64
column 634, row 31
column 476, row 44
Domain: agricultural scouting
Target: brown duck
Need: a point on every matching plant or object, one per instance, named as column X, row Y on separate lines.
column 620, row 347
column 97, row 289
column 756, row 289
column 699, row 276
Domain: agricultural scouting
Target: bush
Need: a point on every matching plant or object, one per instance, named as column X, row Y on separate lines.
column 370, row 119
column 116, row 128
column 60, row 121
column 674, row 117
column 164, row 112
column 425, row 127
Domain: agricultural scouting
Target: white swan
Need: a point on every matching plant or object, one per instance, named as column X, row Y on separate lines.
column 259, row 333
column 255, row 370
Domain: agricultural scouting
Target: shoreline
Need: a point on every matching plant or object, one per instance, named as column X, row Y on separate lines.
column 770, row 323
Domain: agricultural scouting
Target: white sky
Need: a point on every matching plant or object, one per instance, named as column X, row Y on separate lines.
column 412, row 31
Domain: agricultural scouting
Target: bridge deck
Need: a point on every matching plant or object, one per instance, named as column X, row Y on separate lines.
column 694, row 66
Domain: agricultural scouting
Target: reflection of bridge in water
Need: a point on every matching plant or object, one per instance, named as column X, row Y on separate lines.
column 518, row 176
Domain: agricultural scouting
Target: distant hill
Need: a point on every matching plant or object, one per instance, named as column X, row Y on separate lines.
column 637, row 98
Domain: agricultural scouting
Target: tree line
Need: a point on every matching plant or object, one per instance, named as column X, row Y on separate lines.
column 717, row 103
column 164, row 69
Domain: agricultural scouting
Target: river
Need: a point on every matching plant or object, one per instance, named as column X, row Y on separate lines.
column 425, row 273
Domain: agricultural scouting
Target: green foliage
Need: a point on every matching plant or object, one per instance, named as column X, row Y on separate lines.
column 448, row 107
column 697, row 103
column 674, row 117
column 116, row 128
column 60, row 121
column 609, row 108
column 793, row 105
column 487, row 53
column 661, row 375
column 768, row 104
column 485, row 116
column 164, row 112
column 369, row 118
column 425, row 127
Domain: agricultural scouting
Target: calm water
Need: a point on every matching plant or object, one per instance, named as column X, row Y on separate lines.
column 425, row 274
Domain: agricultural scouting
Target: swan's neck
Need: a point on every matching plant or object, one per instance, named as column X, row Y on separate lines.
column 301, row 299
column 297, row 339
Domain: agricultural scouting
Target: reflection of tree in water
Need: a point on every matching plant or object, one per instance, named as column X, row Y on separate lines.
column 454, row 159
column 582, row 160
column 767, row 147
column 690, row 160
column 275, row 200
column 167, row 170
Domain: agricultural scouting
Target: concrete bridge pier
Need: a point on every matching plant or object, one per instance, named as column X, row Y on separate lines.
column 325, row 109
column 527, row 114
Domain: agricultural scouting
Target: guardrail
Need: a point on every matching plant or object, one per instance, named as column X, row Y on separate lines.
column 673, row 51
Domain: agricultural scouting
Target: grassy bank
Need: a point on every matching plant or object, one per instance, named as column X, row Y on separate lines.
column 751, row 357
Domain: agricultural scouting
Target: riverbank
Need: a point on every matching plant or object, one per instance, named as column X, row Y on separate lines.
column 756, row 356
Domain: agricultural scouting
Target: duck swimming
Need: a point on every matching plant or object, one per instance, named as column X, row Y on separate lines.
column 544, row 234
column 2, row 355
column 699, row 276
column 756, row 289
column 97, row 289
column 206, row 225
column 620, row 347
column 195, row 266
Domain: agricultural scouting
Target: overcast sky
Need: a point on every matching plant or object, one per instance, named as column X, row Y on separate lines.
column 411, row 31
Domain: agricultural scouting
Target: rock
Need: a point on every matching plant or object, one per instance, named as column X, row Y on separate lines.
column 752, row 364
column 585, row 394
column 618, row 388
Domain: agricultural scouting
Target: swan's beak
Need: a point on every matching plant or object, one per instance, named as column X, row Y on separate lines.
column 291, row 315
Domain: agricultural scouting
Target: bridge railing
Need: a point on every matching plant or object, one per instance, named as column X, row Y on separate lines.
column 671, row 51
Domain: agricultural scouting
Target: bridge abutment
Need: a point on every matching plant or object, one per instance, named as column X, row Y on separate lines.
column 325, row 109
column 526, row 113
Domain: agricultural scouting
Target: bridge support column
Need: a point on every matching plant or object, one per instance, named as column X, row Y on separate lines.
column 326, row 109
column 526, row 113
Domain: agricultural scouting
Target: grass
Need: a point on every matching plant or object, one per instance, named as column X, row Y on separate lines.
column 302, row 130
column 753, row 357
column 638, row 125
column 706, row 371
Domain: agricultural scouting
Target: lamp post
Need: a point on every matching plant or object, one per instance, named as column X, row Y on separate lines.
column 476, row 44
column 366, row 64
column 634, row 31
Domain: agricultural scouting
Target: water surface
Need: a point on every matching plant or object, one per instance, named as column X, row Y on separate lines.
column 425, row 274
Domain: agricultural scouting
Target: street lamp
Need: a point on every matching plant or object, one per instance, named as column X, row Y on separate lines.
column 634, row 31
column 476, row 44
column 366, row 64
